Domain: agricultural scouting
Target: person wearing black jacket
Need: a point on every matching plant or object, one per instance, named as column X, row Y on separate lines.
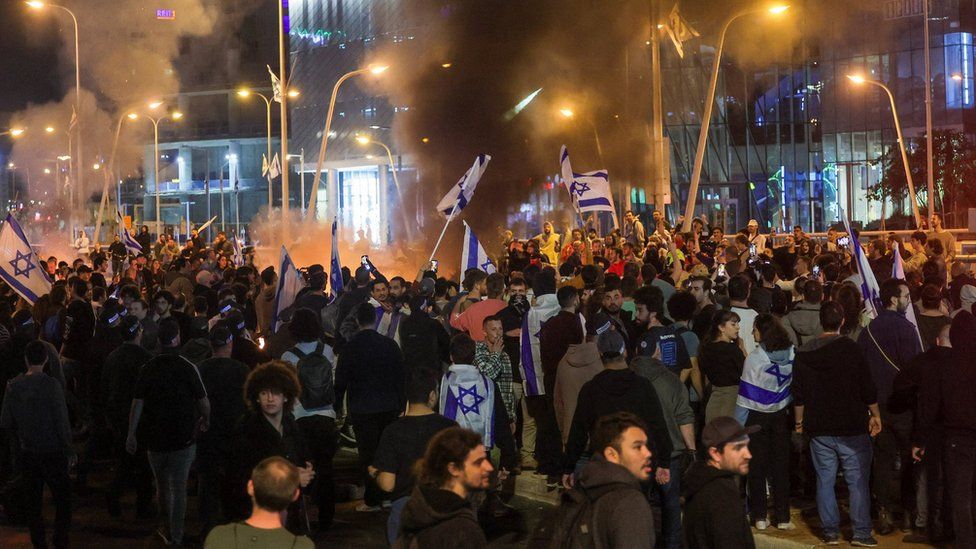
column 270, row 429
column 714, row 514
column 370, row 374
column 946, row 399
column 833, row 393
column 245, row 350
column 617, row 389
column 423, row 339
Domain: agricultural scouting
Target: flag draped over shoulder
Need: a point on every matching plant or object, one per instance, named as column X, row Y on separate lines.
column 898, row 271
column 590, row 191
column 468, row 397
column 679, row 31
column 460, row 194
column 19, row 266
column 290, row 282
column 473, row 254
column 335, row 266
column 869, row 284
column 131, row 244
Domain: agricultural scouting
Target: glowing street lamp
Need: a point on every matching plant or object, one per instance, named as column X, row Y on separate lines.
column 861, row 80
column 778, row 9
column 366, row 141
column 372, row 69
column 14, row 132
column 245, row 93
column 175, row 115
column 567, row 113
column 49, row 129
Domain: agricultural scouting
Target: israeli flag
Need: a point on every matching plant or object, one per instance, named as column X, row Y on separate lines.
column 290, row 282
column 473, row 255
column 898, row 271
column 460, row 194
column 238, row 252
column 869, row 285
column 590, row 191
column 335, row 266
column 131, row 244
column 19, row 266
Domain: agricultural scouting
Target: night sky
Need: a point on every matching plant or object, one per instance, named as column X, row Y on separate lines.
column 29, row 44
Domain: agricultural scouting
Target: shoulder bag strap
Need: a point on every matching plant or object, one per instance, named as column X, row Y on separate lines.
column 878, row 345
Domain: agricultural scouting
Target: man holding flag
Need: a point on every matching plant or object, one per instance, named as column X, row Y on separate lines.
column 590, row 191
column 290, row 282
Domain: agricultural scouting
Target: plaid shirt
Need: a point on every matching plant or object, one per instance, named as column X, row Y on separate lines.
column 498, row 368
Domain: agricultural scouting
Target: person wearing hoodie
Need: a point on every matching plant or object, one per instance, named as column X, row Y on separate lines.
column 439, row 512
column 680, row 420
column 803, row 322
column 620, row 515
column 835, row 403
column 714, row 514
column 535, row 409
column 764, row 399
column 578, row 366
column 616, row 389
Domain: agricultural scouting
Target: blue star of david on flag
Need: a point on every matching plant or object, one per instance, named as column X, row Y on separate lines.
column 579, row 188
column 471, row 391
column 473, row 254
column 26, row 258
column 781, row 378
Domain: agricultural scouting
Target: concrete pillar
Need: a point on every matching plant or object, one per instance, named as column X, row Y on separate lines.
column 185, row 165
column 331, row 206
column 382, row 183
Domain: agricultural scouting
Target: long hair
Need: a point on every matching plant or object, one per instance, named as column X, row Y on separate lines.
column 772, row 333
column 275, row 375
column 452, row 445
column 720, row 317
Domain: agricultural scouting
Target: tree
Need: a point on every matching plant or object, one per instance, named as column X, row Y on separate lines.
column 955, row 165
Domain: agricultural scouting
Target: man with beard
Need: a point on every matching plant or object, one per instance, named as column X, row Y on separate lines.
column 889, row 343
column 440, row 513
column 613, row 301
column 387, row 312
column 714, row 514
column 548, row 243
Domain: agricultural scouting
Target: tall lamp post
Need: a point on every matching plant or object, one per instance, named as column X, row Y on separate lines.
column 175, row 115
column 364, row 140
column 902, row 146
column 375, row 69
column 244, row 92
column 79, row 159
column 13, row 132
column 707, row 114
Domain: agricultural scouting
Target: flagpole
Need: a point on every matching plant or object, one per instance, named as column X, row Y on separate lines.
column 444, row 230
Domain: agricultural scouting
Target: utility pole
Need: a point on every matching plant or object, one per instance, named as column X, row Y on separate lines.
column 929, row 153
column 659, row 184
column 285, row 85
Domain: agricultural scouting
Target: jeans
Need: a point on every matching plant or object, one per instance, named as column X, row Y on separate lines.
column 321, row 436
column 853, row 455
column 393, row 523
column 961, row 461
column 172, row 470
column 670, row 494
column 51, row 469
column 368, row 428
column 770, row 448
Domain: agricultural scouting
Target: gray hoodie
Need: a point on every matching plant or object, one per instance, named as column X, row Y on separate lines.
column 803, row 322
column 580, row 363
column 673, row 396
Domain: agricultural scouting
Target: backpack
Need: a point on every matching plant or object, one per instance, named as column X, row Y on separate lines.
column 330, row 317
column 573, row 525
column 315, row 375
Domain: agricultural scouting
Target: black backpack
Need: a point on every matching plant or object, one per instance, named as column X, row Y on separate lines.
column 573, row 524
column 315, row 375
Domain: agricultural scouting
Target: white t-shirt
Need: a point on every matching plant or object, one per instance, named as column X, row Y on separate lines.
column 747, row 318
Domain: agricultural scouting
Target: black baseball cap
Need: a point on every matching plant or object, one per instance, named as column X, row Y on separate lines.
column 220, row 335
column 725, row 429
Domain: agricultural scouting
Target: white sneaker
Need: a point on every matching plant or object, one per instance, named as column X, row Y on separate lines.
column 785, row 526
column 762, row 524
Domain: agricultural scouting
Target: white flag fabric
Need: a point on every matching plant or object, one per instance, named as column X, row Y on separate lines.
column 679, row 31
column 590, row 191
column 290, row 282
column 869, row 285
column 238, row 252
column 898, row 271
column 270, row 169
column 473, row 255
column 335, row 266
column 131, row 244
column 460, row 194
column 275, row 85
column 19, row 266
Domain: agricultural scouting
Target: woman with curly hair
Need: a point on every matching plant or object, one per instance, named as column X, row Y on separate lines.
column 269, row 429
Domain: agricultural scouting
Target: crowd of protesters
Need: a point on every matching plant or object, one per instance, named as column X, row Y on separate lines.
column 713, row 376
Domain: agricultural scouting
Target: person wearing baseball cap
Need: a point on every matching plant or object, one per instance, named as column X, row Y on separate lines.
column 752, row 233
column 714, row 512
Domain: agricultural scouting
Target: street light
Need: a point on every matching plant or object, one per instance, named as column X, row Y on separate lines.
column 39, row 5
column 244, row 92
column 176, row 115
column 366, row 141
column 372, row 69
column 13, row 132
column 49, row 129
column 709, row 104
column 860, row 80
column 569, row 113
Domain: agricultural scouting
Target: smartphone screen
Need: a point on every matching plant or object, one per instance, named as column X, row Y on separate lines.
column 433, row 265
column 721, row 270
column 752, row 250
column 816, row 270
column 365, row 261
